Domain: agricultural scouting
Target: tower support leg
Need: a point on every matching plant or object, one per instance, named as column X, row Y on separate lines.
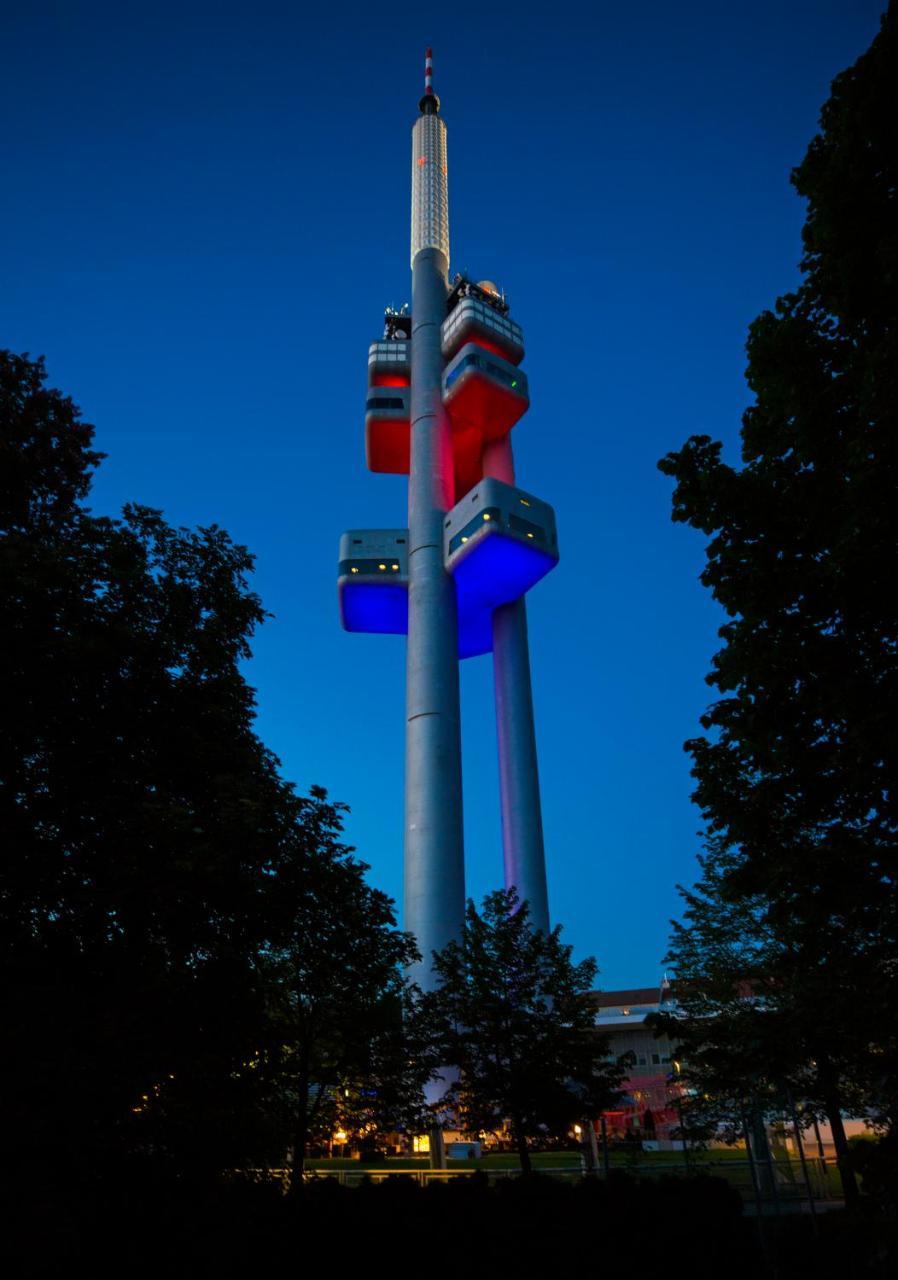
column 434, row 842
column 523, row 852
column 522, row 825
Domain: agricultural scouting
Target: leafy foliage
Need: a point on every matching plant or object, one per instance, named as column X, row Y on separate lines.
column 757, row 1026
column 512, row 1014
column 340, row 1049
column 796, row 773
column 160, row 878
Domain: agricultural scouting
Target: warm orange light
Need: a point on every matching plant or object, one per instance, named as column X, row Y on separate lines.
column 422, row 160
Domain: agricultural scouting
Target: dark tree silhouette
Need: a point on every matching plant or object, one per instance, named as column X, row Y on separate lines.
column 796, row 776
column 513, row 1014
column 153, row 856
column 342, row 1049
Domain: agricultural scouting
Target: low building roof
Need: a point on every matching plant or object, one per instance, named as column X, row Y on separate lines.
column 630, row 996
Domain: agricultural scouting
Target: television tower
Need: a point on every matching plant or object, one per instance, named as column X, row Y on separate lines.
column 444, row 391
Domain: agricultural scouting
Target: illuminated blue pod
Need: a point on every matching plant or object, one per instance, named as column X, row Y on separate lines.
column 372, row 581
column 497, row 543
column 375, row 599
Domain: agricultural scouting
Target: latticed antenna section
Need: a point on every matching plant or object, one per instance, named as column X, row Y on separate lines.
column 430, row 186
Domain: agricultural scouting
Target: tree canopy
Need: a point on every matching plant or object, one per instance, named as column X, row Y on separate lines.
column 795, row 775
column 340, row 1049
column 513, row 1015
column 159, row 876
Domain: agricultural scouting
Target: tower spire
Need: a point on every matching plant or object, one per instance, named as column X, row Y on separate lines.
column 430, row 175
column 430, row 103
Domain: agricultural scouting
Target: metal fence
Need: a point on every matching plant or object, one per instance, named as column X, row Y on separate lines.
column 773, row 1183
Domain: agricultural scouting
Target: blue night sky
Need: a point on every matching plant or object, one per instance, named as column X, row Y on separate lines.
column 206, row 209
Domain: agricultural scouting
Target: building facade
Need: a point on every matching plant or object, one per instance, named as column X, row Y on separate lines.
column 649, row 1110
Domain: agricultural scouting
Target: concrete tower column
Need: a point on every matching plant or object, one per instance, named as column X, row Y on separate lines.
column 523, row 851
column 434, row 843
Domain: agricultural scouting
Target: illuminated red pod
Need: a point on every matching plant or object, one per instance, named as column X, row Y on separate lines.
column 484, row 392
column 387, row 407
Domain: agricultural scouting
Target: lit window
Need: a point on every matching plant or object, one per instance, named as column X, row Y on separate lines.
column 531, row 530
column 353, row 569
column 381, row 566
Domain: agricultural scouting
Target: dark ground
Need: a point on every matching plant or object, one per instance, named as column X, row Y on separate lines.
column 651, row 1228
